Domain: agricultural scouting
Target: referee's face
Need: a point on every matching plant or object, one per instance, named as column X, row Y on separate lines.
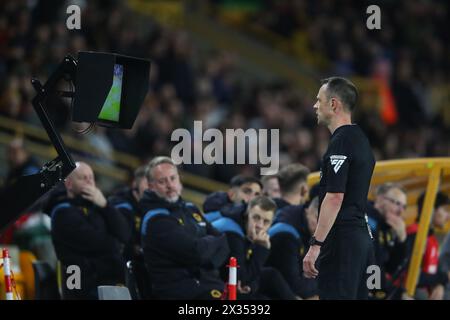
column 323, row 107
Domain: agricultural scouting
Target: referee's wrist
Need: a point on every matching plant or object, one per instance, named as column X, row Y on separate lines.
column 314, row 242
column 318, row 238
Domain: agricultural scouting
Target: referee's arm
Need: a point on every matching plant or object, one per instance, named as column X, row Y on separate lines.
column 330, row 207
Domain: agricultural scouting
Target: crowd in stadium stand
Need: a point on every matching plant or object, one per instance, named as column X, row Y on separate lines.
column 413, row 40
column 411, row 51
column 184, row 89
column 412, row 36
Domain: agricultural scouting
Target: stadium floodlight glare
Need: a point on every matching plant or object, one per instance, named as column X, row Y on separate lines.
column 109, row 90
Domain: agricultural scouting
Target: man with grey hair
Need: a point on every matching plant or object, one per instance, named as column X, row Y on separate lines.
column 182, row 251
column 163, row 179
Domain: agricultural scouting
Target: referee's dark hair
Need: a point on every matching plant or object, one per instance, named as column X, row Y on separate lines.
column 342, row 88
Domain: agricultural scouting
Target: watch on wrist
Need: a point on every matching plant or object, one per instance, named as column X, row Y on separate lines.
column 314, row 242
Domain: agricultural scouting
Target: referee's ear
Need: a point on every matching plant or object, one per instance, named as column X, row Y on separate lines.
column 334, row 103
column 337, row 106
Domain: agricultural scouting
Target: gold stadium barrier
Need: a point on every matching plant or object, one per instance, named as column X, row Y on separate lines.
column 416, row 176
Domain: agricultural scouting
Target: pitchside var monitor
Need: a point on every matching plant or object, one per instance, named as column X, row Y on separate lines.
column 109, row 88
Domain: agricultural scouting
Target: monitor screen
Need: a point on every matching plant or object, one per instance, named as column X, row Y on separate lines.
column 111, row 108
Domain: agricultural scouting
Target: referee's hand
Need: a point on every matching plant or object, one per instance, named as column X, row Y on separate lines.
column 309, row 262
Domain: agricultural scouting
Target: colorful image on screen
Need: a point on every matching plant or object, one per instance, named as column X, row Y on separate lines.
column 111, row 108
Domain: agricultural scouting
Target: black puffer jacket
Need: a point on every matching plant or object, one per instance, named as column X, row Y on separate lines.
column 216, row 201
column 124, row 201
column 182, row 251
column 289, row 247
column 92, row 238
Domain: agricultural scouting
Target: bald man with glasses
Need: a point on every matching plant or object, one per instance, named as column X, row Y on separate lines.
column 389, row 233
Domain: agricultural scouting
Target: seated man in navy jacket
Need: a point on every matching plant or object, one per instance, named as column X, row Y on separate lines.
column 290, row 235
column 126, row 200
column 246, row 231
column 182, row 251
column 242, row 190
column 89, row 233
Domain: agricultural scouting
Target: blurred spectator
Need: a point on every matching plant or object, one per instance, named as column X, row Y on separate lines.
column 33, row 233
column 293, row 185
column 444, row 262
column 19, row 161
column 126, row 200
column 431, row 277
column 271, row 187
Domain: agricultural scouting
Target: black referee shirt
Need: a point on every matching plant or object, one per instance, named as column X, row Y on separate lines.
column 347, row 168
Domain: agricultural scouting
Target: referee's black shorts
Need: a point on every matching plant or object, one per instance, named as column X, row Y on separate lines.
column 343, row 263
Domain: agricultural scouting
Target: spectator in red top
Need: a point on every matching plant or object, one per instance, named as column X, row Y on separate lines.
column 431, row 277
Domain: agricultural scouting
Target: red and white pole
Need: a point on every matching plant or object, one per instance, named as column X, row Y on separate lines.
column 7, row 271
column 232, row 279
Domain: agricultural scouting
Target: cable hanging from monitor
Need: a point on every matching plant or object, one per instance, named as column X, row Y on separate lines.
column 91, row 125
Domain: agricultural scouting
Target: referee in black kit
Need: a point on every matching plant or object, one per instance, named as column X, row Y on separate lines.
column 342, row 238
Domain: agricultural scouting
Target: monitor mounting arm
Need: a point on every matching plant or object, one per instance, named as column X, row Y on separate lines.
column 19, row 195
